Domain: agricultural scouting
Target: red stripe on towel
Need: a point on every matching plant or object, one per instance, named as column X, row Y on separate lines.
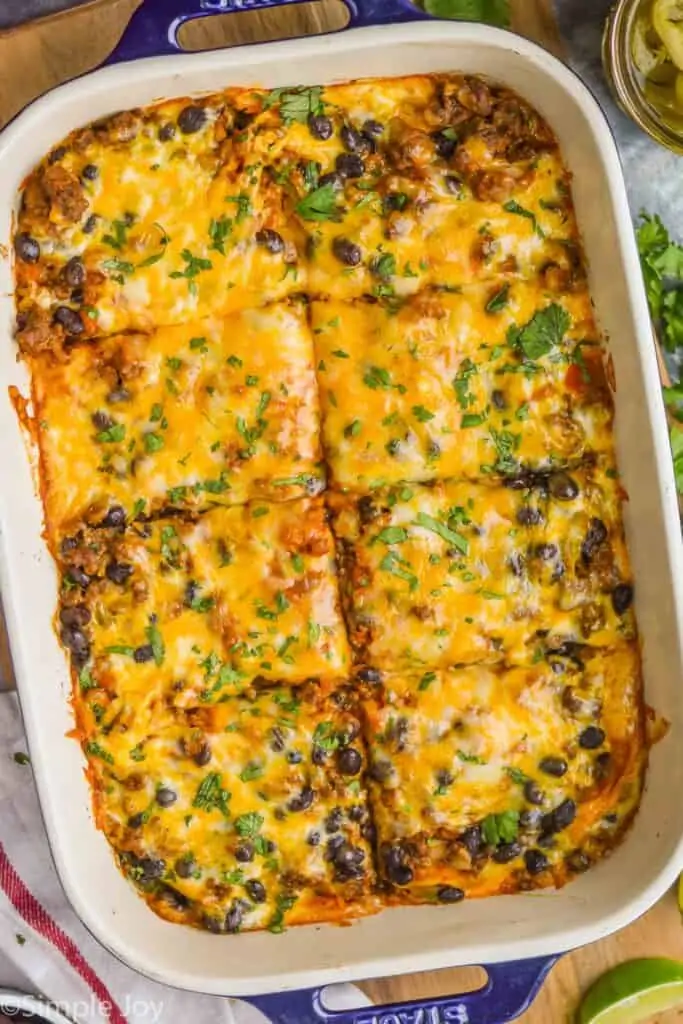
column 35, row 915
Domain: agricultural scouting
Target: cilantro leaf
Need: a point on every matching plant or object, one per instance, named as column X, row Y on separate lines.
column 500, row 828
column 542, row 333
column 296, row 104
column 450, row 536
column 321, row 204
column 494, row 12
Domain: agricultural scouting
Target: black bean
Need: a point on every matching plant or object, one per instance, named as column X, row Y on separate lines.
column 185, row 867
column 80, row 578
column 203, row 755
column 152, row 868
column 561, row 818
column 102, row 420
column 578, row 862
column 472, row 839
column 212, row 924
column 233, row 918
column 350, row 165
column 535, row 862
column 270, row 240
column 355, row 141
column 74, row 272
column 622, row 598
column 563, row 487
column 445, row 146
column 165, row 796
column 533, row 793
column 90, row 224
column 76, row 641
column 137, row 820
column 356, row 813
column 245, row 853
column 318, row 755
column 191, row 119
column 595, row 536
column 449, row 894
column 547, row 841
column 530, row 819
column 498, row 399
column 453, row 185
column 529, row 516
column 118, row 572
column 334, row 820
column 592, row 738
column 603, row 766
column 90, row 172
column 77, row 295
column 118, row 395
column 331, row 178
column 26, row 248
column 303, row 801
column 294, row 757
column 256, row 891
column 115, row 517
column 516, row 563
column 75, row 615
column 556, row 766
column 506, row 852
column 398, row 871
column 347, row 856
column 393, row 447
column 174, row 898
column 369, row 675
column 373, row 127
column 347, row 252
column 166, row 132
column 57, row 154
column 314, row 839
column 143, row 653
column 69, row 319
column 319, row 126
column 546, row 551
column 349, row 761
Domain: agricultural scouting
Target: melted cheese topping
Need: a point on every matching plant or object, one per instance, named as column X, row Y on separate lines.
column 224, row 303
column 217, row 411
column 458, row 573
column 456, row 755
column 242, row 838
column 441, row 388
column 199, row 611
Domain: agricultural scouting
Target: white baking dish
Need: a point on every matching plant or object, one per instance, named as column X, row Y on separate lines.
column 398, row 940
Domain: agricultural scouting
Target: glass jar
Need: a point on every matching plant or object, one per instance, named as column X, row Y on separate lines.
column 626, row 80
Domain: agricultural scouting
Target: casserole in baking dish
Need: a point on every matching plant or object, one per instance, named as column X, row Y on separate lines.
column 242, row 752
column 555, row 920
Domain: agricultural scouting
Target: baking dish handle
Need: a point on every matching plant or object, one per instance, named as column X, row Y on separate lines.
column 509, row 991
column 153, row 29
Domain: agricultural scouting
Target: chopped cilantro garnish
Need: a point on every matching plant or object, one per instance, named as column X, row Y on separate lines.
column 211, row 796
column 296, row 104
column 500, row 828
column 194, row 265
column 156, row 640
column 321, row 204
column 112, row 435
column 542, row 333
column 249, row 825
column 219, row 231
column 450, row 536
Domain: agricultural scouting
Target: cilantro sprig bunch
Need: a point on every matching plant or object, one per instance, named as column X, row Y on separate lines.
column 494, row 12
column 662, row 262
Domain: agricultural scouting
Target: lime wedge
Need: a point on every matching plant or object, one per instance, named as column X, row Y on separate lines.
column 632, row 992
column 667, row 19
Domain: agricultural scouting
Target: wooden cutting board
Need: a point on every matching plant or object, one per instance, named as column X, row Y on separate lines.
column 40, row 55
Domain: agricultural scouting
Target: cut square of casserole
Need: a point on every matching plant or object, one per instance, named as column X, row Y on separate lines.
column 246, row 815
column 457, row 573
column 150, row 218
column 198, row 611
column 485, row 382
column 488, row 781
column 395, row 196
column 211, row 412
